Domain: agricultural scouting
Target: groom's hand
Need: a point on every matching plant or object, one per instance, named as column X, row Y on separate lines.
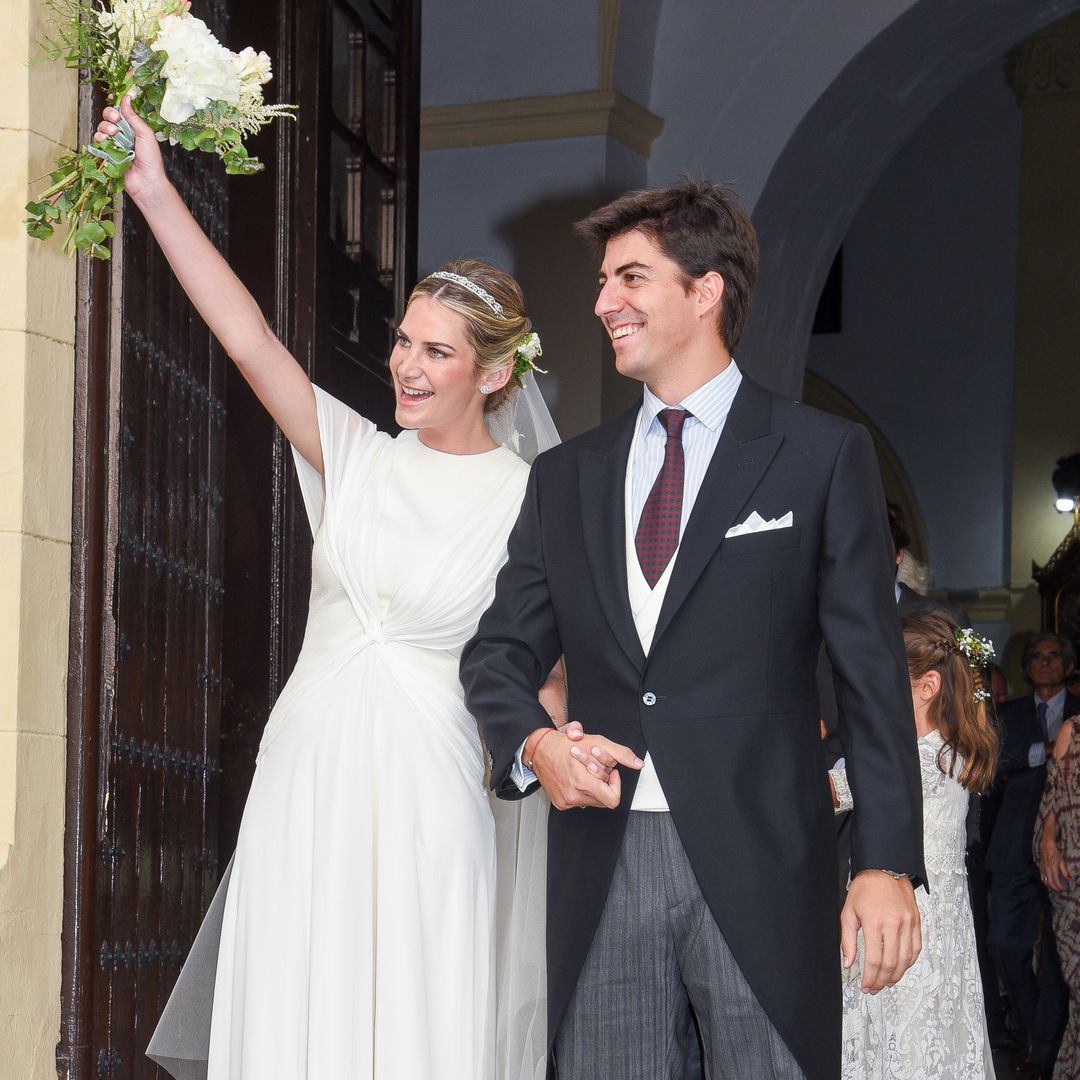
column 577, row 770
column 884, row 908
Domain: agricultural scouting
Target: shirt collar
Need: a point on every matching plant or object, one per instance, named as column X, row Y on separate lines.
column 709, row 403
column 1054, row 704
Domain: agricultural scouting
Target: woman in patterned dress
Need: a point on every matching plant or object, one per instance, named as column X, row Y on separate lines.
column 931, row 1025
column 1057, row 854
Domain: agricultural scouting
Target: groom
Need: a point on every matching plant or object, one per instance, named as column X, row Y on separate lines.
column 686, row 560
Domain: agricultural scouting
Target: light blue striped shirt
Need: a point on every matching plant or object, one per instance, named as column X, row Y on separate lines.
column 1055, row 710
column 709, row 406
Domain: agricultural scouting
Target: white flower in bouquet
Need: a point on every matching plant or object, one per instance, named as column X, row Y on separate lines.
column 199, row 69
column 133, row 21
column 253, row 68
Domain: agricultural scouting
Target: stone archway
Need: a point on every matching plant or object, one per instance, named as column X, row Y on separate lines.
column 894, row 478
column 845, row 141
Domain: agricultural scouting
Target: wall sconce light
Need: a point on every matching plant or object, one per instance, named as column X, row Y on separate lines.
column 1066, row 481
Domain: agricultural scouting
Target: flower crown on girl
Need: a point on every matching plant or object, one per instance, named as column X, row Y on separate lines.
column 978, row 651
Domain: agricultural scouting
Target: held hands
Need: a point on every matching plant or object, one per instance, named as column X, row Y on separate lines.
column 884, row 909
column 576, row 769
column 146, row 176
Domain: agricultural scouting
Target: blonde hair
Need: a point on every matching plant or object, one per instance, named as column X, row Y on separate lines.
column 493, row 337
column 961, row 718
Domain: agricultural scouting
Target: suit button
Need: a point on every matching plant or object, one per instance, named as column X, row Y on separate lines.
column 649, row 698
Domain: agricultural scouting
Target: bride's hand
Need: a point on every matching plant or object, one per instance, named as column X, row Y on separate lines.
column 146, row 176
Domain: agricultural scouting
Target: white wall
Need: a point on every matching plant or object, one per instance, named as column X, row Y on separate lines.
column 488, row 50
column 734, row 80
column 514, row 205
column 470, row 198
column 846, row 137
column 928, row 338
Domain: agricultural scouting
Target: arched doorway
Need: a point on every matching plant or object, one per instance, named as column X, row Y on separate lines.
column 846, row 139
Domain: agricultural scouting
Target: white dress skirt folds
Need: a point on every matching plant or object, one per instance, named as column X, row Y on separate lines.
column 354, row 936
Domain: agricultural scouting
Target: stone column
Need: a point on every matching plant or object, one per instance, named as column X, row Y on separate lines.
column 37, row 324
column 1045, row 74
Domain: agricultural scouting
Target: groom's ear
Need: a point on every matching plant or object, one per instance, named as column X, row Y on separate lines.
column 709, row 292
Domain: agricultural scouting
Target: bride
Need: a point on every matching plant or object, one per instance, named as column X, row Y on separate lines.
column 354, row 937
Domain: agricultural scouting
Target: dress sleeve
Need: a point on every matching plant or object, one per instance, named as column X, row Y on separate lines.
column 345, row 437
column 838, row 773
column 1055, row 800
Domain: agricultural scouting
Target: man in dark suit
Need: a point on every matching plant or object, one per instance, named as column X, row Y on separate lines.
column 687, row 559
column 1018, row 900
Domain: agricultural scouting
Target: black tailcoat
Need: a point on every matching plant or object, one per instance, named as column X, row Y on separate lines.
column 726, row 700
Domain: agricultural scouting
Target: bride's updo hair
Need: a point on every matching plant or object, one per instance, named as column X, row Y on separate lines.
column 958, row 710
column 493, row 336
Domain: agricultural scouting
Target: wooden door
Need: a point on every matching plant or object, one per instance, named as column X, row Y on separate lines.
column 190, row 554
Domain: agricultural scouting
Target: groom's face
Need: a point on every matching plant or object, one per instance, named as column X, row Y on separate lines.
column 649, row 315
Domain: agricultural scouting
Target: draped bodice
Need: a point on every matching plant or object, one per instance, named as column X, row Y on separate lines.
column 407, row 544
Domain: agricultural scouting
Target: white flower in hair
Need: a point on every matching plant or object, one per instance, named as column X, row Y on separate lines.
column 978, row 649
column 525, row 355
column 530, row 347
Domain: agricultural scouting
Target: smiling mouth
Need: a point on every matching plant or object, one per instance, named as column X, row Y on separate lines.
column 413, row 396
column 626, row 330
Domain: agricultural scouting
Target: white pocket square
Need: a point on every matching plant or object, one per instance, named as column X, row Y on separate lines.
column 755, row 523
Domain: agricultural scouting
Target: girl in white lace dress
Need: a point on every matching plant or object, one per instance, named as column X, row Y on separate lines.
column 931, row 1025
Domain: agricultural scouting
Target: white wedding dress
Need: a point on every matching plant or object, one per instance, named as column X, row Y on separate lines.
column 357, row 928
column 931, row 1025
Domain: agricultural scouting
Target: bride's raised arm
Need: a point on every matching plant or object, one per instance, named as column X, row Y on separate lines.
column 221, row 298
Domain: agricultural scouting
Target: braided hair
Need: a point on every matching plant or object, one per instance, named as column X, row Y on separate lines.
column 958, row 710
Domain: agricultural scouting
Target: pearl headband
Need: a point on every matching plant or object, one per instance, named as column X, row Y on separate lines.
column 476, row 290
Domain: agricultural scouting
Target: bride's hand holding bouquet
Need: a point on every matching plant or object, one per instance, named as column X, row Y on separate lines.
column 144, row 178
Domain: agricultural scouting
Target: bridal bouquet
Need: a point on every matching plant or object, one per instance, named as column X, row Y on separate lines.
column 187, row 86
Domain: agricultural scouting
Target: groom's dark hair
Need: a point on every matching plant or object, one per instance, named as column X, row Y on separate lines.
column 700, row 226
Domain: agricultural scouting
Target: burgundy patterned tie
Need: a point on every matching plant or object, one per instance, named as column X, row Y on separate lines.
column 658, row 531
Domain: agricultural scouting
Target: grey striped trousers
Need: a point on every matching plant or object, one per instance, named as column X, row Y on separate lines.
column 657, row 960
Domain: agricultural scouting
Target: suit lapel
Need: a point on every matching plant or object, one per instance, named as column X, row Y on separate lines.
column 602, row 478
column 743, row 454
